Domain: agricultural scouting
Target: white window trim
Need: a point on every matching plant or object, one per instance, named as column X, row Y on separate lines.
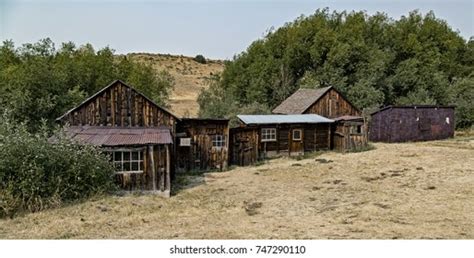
column 272, row 131
column 140, row 160
column 293, row 135
column 220, row 139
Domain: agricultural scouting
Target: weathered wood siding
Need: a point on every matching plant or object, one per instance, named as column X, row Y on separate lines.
column 345, row 140
column 244, row 145
column 247, row 146
column 331, row 105
column 120, row 105
column 201, row 155
column 402, row 124
column 147, row 181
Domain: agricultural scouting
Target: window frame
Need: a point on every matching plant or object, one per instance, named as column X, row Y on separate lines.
column 293, row 135
column 264, row 132
column 218, row 138
column 139, row 161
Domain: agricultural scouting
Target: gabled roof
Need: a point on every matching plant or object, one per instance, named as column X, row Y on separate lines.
column 104, row 89
column 284, row 119
column 300, row 101
column 119, row 136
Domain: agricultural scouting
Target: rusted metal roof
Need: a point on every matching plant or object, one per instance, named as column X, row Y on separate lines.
column 300, row 101
column 119, row 136
column 412, row 106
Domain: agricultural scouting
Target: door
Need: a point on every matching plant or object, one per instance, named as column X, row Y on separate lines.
column 296, row 141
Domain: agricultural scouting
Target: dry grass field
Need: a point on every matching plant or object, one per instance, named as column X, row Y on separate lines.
column 396, row 191
column 190, row 78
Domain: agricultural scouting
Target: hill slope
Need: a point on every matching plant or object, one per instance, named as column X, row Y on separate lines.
column 190, row 78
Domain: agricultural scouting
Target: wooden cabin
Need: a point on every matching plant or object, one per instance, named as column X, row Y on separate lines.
column 412, row 123
column 262, row 136
column 349, row 131
column 202, row 144
column 136, row 132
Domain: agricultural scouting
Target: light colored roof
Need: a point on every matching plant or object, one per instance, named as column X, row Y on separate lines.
column 348, row 118
column 300, row 101
column 284, row 119
column 119, row 136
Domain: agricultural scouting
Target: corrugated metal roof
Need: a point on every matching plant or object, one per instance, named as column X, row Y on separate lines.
column 300, row 101
column 284, row 119
column 119, row 136
column 348, row 118
column 412, row 106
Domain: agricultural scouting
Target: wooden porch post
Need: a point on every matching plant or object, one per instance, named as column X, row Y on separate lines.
column 168, row 165
column 152, row 165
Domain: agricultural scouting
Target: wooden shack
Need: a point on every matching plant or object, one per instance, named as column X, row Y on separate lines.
column 412, row 123
column 136, row 132
column 262, row 136
column 202, row 144
column 349, row 131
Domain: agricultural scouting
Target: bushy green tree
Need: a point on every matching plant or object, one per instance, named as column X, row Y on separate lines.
column 39, row 81
column 372, row 59
column 36, row 174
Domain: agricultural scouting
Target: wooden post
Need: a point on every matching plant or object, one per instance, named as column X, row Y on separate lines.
column 168, row 165
column 152, row 165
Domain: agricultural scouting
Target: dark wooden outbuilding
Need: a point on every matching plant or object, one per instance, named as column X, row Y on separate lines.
column 412, row 123
column 349, row 131
column 262, row 136
column 202, row 144
column 136, row 132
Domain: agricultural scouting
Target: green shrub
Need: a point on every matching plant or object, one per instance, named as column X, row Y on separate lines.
column 36, row 174
column 200, row 59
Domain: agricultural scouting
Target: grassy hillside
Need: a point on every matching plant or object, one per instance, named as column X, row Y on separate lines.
column 190, row 77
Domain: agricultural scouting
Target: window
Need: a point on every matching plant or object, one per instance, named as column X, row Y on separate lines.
column 268, row 134
column 218, row 141
column 297, row 135
column 184, row 141
column 127, row 161
column 356, row 129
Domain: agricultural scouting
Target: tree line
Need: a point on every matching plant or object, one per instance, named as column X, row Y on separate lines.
column 374, row 60
column 40, row 82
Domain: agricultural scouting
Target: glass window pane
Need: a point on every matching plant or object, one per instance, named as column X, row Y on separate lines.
column 134, row 166
column 117, row 156
column 135, row 155
column 118, row 166
column 126, row 156
column 126, row 166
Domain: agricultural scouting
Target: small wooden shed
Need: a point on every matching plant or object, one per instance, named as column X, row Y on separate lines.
column 136, row 132
column 202, row 144
column 262, row 136
column 412, row 123
column 349, row 133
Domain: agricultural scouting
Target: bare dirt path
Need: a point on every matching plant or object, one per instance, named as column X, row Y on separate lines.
column 412, row 190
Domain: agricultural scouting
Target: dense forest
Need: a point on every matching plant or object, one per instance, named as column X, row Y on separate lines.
column 38, row 81
column 373, row 59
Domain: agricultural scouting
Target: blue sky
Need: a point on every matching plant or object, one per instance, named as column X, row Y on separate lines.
column 214, row 28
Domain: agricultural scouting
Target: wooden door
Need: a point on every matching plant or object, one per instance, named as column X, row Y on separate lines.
column 295, row 138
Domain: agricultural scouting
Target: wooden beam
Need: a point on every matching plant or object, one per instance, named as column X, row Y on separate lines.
column 168, row 165
column 152, row 165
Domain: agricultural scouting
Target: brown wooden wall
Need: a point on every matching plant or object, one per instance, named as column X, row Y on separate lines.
column 332, row 105
column 120, row 105
column 201, row 155
column 345, row 140
column 247, row 146
column 244, row 145
column 155, row 175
